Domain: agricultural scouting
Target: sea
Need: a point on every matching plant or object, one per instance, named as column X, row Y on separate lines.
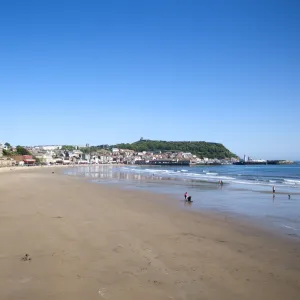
column 246, row 191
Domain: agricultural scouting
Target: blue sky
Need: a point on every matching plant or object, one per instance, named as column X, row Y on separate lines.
column 77, row 72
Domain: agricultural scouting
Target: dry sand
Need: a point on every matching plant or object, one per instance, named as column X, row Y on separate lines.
column 89, row 241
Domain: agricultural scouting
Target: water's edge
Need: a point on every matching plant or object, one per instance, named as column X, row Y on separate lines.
column 276, row 212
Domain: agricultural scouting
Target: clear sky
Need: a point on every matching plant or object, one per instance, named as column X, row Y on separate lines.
column 76, row 72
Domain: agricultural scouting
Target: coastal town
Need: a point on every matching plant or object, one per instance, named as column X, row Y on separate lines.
column 104, row 154
column 66, row 155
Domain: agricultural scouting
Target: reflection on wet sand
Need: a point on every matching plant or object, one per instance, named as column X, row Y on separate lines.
column 188, row 203
column 283, row 213
column 114, row 174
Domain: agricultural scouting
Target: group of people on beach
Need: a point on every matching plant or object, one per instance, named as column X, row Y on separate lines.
column 187, row 197
column 274, row 192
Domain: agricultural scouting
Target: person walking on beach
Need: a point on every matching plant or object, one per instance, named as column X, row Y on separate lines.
column 186, row 195
column 274, row 190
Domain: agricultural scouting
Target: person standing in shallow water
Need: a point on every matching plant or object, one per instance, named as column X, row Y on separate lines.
column 274, row 190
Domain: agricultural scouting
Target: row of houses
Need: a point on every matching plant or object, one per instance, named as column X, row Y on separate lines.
column 131, row 157
column 17, row 160
column 151, row 157
column 57, row 154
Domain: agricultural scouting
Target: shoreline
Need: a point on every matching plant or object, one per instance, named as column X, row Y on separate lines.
column 275, row 211
column 20, row 168
column 169, row 201
column 260, row 181
column 91, row 240
column 27, row 168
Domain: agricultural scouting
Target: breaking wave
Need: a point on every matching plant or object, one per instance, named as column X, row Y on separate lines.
column 214, row 177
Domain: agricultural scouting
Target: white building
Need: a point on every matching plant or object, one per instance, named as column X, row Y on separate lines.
column 75, row 154
column 115, row 150
column 66, row 161
column 47, row 157
column 104, row 159
column 51, row 147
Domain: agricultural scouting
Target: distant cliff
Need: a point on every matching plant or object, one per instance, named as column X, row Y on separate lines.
column 201, row 149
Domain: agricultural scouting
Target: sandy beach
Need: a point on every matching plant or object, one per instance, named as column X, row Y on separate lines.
column 63, row 237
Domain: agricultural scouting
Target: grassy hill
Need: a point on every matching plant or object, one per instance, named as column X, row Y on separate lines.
column 201, row 149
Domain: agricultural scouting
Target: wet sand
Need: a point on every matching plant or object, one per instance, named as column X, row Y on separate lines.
column 91, row 241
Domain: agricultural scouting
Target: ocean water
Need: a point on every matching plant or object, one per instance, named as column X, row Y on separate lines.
column 247, row 190
column 283, row 177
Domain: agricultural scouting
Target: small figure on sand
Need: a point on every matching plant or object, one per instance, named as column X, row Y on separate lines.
column 289, row 196
column 274, row 191
column 186, row 195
